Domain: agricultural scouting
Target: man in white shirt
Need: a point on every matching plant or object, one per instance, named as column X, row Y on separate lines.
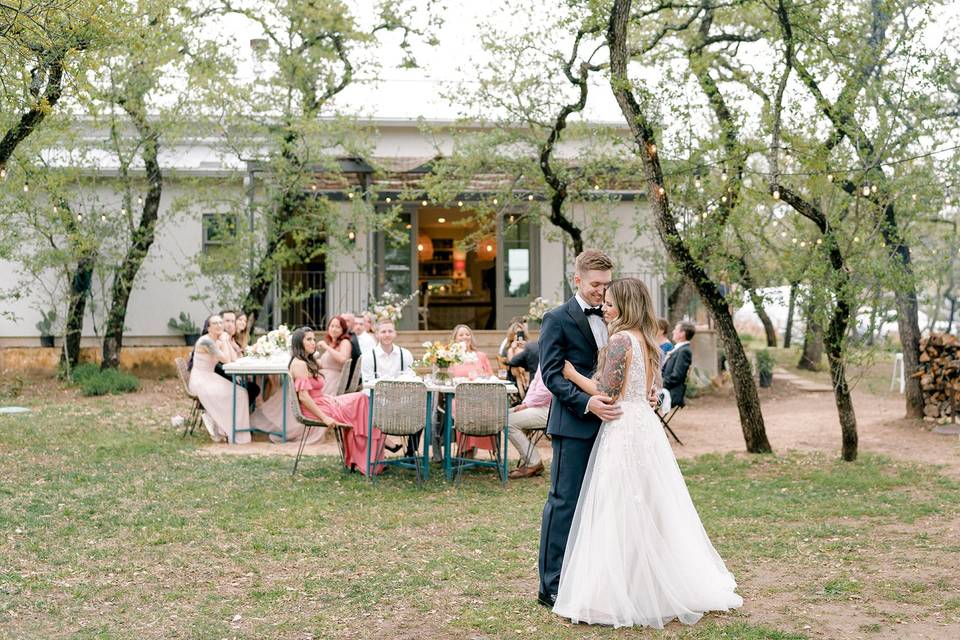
column 363, row 329
column 385, row 360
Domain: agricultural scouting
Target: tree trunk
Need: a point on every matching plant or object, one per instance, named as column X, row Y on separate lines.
column 679, row 301
column 841, row 394
column 788, row 330
column 30, row 120
column 953, row 309
column 757, row 301
column 748, row 402
column 141, row 241
column 80, row 284
column 812, row 354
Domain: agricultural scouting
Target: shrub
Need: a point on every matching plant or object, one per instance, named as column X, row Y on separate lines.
column 82, row 372
column 94, row 382
column 765, row 362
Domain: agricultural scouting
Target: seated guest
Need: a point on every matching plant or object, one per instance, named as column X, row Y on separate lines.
column 479, row 368
column 215, row 393
column 355, row 350
column 334, row 354
column 229, row 346
column 349, row 408
column 662, row 328
column 678, row 362
column 243, row 335
column 385, row 360
column 363, row 329
column 518, row 324
column 531, row 414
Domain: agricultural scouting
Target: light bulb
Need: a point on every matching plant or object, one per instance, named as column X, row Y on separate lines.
column 914, row 197
column 489, row 247
column 866, row 189
column 494, row 201
column 783, row 234
column 350, row 195
column 819, row 240
column 313, row 187
column 873, row 188
column 79, row 217
column 776, row 194
column 856, row 238
column 661, row 190
column 459, row 203
column 103, row 218
column 351, row 236
column 723, row 198
column 26, row 187
column 3, row 174
column 723, row 176
column 530, row 197
column 139, row 200
column 389, row 200
column 419, row 247
column 829, row 177
column 596, row 187
column 441, row 220
column 803, row 244
column 698, row 184
column 653, row 149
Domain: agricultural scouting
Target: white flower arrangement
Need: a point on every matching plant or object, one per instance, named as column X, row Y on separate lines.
column 271, row 344
column 539, row 308
column 390, row 306
column 442, row 355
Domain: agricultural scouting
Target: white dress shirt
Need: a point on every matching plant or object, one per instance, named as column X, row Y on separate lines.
column 597, row 325
column 367, row 341
column 377, row 364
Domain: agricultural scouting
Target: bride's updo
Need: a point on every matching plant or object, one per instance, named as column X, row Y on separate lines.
column 632, row 299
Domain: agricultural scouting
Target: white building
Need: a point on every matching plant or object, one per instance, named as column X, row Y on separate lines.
column 483, row 287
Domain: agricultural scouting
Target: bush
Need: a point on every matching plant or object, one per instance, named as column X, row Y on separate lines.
column 82, row 372
column 94, row 382
column 765, row 362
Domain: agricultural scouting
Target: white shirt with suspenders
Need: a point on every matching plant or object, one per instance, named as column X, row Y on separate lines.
column 377, row 364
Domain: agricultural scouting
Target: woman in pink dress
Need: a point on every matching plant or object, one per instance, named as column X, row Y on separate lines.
column 349, row 408
column 479, row 368
column 334, row 351
column 215, row 392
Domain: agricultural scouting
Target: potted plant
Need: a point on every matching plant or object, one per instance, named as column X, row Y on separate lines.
column 185, row 325
column 45, row 326
column 765, row 363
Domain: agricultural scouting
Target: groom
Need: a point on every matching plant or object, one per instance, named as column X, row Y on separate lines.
column 573, row 332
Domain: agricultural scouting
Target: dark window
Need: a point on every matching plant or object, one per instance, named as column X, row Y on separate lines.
column 219, row 230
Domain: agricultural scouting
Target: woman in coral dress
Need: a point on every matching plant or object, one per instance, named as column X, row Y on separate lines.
column 334, row 354
column 350, row 408
column 478, row 367
column 216, row 393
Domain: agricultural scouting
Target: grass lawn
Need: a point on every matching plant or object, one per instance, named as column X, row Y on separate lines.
column 111, row 526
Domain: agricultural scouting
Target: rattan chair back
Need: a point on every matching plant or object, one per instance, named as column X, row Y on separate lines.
column 481, row 408
column 398, row 407
column 184, row 374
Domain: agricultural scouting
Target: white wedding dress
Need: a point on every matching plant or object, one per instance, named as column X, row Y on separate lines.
column 637, row 553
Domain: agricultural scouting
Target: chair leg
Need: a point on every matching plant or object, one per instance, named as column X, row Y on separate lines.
column 194, row 418
column 412, row 447
column 666, row 425
column 303, row 443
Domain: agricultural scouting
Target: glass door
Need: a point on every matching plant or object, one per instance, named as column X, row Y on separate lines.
column 518, row 268
column 396, row 265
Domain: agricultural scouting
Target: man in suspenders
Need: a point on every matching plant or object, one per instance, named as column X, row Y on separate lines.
column 385, row 360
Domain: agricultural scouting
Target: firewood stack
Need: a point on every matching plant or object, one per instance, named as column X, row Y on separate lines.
column 939, row 375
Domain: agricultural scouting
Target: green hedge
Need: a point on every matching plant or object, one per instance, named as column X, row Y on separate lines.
column 94, row 382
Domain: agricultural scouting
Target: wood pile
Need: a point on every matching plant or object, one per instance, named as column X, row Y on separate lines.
column 939, row 374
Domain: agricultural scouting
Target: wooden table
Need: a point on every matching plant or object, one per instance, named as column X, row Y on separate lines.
column 277, row 365
column 448, row 391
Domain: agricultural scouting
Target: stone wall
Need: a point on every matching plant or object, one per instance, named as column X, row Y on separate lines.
column 144, row 362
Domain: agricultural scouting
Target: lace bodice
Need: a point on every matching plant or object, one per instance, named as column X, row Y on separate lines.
column 634, row 389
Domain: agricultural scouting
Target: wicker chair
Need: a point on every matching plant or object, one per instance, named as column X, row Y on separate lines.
column 353, row 384
column 481, row 410
column 196, row 409
column 310, row 423
column 400, row 409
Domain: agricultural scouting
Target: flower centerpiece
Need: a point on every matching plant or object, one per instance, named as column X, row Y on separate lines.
column 390, row 306
column 442, row 356
column 538, row 308
column 273, row 343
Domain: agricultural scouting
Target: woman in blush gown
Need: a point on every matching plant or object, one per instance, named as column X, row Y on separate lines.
column 479, row 367
column 334, row 354
column 349, row 408
column 215, row 392
column 637, row 553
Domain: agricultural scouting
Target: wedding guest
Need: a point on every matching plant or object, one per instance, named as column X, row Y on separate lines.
column 385, row 360
column 349, row 408
column 230, row 346
column 334, row 353
column 479, row 367
column 243, row 335
column 518, row 324
column 216, row 394
column 530, row 414
column 363, row 329
column 355, row 351
column 677, row 363
column 663, row 327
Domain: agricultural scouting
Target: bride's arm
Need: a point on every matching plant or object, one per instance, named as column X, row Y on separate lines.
column 586, row 384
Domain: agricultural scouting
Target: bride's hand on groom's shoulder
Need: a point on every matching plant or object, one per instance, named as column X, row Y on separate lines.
column 604, row 407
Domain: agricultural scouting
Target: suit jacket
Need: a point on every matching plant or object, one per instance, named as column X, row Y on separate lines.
column 565, row 335
column 675, row 373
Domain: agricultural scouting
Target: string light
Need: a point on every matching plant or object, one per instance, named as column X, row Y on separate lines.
column 698, row 184
column 866, row 189
column 873, row 188
column 26, row 187
column 783, row 234
column 856, row 238
column 776, row 194
column 530, row 197
column 803, row 244
column 389, row 200
column 103, row 218
column 423, row 203
column 819, row 240
column 459, row 203
column 661, row 191
column 441, row 220
column 653, row 149
column 79, row 217
column 3, row 174
column 139, row 200
column 914, row 197
column 596, row 187
column 313, row 187
column 724, row 176
column 494, row 201
column 829, row 177
column 723, row 198
column 793, row 240
column 350, row 195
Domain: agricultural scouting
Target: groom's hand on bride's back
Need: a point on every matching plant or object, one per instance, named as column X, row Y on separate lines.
column 604, row 407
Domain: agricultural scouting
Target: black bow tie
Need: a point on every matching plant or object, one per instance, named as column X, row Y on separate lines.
column 594, row 311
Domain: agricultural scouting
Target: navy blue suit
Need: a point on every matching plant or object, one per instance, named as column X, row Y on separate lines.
column 565, row 335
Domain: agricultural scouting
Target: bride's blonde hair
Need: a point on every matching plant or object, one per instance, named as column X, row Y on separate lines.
column 632, row 299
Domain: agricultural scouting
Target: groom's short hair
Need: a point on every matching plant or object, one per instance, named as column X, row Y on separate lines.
column 593, row 260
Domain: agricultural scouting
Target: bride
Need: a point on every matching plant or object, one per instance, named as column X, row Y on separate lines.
column 637, row 553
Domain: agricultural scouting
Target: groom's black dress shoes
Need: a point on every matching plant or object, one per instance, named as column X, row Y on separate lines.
column 547, row 599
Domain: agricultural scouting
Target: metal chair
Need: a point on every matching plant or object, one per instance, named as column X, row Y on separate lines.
column 196, row 410
column 665, row 421
column 481, row 410
column 310, row 423
column 400, row 408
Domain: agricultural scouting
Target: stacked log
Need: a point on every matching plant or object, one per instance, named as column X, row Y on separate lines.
column 939, row 374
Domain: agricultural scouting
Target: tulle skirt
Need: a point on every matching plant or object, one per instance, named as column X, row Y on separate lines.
column 637, row 553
